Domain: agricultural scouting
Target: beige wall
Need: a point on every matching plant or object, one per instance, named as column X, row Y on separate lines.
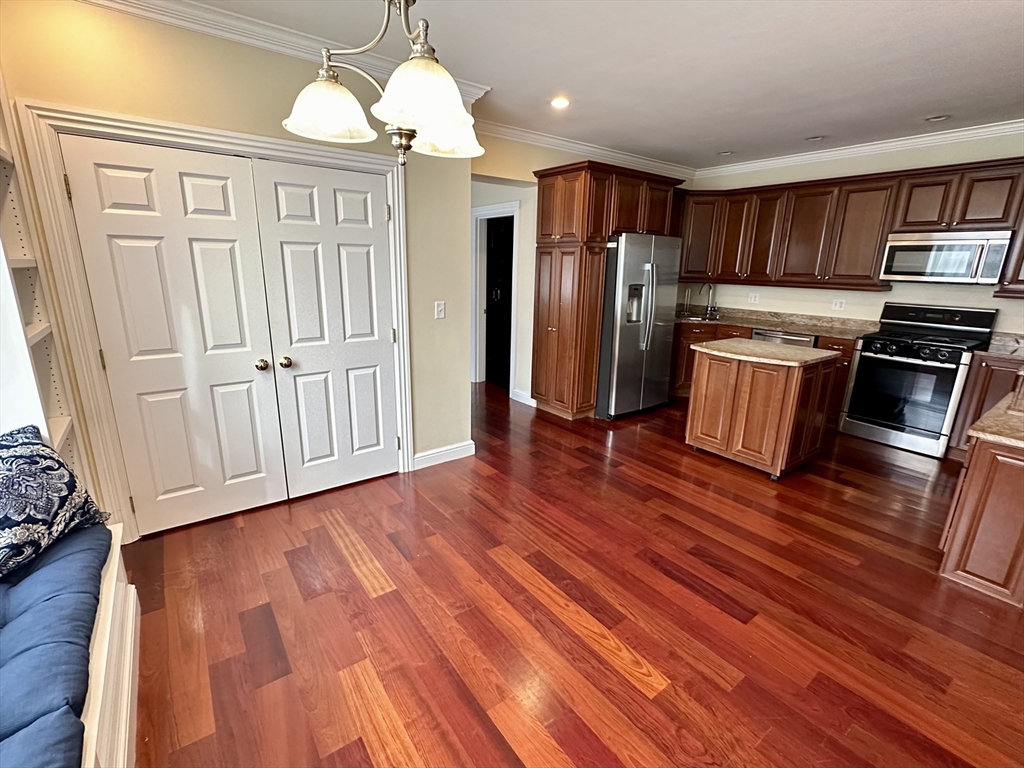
column 79, row 55
column 861, row 305
column 507, row 159
column 491, row 193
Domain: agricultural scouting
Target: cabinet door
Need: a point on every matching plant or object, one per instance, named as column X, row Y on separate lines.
column 700, row 219
column 679, row 348
column 863, row 214
column 769, row 209
column 546, row 223
column 989, row 199
column 990, row 379
column 627, row 196
column 598, row 200
column 842, row 374
column 925, row 203
column 564, row 327
column 711, row 404
column 570, row 198
column 686, row 335
column 809, row 215
column 986, row 542
column 589, row 300
column 657, row 205
column 544, row 342
column 760, row 391
column 733, row 251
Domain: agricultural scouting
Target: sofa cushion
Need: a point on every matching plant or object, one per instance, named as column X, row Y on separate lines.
column 40, row 498
column 47, row 611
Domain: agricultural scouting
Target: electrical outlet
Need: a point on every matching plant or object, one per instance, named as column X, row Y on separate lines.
column 439, row 310
column 753, row 298
column 838, row 303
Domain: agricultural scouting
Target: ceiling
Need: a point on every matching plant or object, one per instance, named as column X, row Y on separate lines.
column 682, row 81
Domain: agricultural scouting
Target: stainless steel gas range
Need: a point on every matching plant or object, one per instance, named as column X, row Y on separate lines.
column 906, row 379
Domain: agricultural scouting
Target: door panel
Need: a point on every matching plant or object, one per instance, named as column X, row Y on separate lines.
column 925, row 203
column 766, row 235
column 563, row 361
column 656, row 209
column 700, row 237
column 862, row 226
column 546, row 212
column 989, row 199
column 543, row 329
column 172, row 253
column 627, row 195
column 808, row 231
column 328, row 277
column 730, row 261
column 569, row 205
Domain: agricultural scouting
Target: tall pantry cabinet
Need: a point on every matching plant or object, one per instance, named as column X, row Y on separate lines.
column 579, row 207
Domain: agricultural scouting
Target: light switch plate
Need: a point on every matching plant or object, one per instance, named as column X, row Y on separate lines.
column 838, row 303
column 439, row 310
column 753, row 298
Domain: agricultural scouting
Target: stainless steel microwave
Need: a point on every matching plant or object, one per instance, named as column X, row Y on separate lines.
column 946, row 257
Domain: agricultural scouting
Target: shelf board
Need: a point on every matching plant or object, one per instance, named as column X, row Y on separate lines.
column 21, row 263
column 59, row 428
column 6, row 155
column 36, row 332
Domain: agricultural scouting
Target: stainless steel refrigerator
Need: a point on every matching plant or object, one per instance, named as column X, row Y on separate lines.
column 641, row 277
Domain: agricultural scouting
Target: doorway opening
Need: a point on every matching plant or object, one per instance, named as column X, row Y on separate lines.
column 499, row 246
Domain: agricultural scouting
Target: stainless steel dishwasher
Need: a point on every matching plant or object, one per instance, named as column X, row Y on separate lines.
column 782, row 337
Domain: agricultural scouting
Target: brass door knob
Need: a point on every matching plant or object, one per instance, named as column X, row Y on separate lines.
column 262, row 365
column 285, row 362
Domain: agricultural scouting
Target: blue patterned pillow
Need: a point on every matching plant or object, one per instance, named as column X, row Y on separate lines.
column 40, row 498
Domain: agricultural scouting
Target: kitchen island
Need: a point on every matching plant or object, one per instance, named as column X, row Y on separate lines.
column 758, row 403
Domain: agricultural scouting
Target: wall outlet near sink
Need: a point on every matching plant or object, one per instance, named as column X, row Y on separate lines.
column 753, row 298
column 838, row 303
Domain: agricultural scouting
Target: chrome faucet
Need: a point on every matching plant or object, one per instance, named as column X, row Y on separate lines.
column 709, row 309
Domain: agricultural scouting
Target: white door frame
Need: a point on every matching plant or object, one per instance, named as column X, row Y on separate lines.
column 73, row 320
column 478, row 283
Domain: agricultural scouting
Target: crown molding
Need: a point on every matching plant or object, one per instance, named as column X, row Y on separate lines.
column 938, row 138
column 242, row 29
column 589, row 151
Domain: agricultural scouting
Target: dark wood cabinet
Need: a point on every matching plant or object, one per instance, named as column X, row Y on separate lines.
column 985, row 545
column 845, row 349
column 686, row 335
column 991, row 378
column 807, row 229
column 700, row 219
column 578, row 207
column 1011, row 286
column 925, row 203
column 733, row 332
column 989, row 199
column 863, row 215
column 769, row 213
column 733, row 251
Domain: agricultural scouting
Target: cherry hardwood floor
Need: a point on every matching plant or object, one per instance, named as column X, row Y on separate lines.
column 581, row 594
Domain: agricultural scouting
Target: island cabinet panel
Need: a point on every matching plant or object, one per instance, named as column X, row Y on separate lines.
column 700, row 219
column 845, row 349
column 760, row 393
column 810, row 414
column 711, row 410
column 925, row 203
column 733, row 251
column 578, row 207
column 769, row 212
column 985, row 548
column 808, row 229
column 989, row 198
column 863, row 217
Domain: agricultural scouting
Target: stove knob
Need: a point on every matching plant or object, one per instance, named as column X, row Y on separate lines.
column 943, row 354
column 877, row 346
column 957, row 317
column 926, row 352
column 893, row 349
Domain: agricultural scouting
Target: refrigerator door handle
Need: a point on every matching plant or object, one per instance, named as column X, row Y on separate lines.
column 653, row 270
column 648, row 305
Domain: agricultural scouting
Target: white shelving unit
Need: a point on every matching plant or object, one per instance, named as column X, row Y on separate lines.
column 33, row 309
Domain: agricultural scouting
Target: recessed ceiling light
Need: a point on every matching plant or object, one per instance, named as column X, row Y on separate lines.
column 559, row 102
column 814, row 138
column 727, row 152
column 937, row 118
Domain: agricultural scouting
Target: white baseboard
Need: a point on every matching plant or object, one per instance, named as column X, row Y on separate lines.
column 521, row 397
column 441, row 455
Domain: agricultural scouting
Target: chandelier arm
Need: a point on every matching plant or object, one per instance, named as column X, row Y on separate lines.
column 373, row 43
column 357, row 70
column 403, row 12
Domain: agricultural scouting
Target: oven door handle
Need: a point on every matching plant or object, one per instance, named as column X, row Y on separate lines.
column 930, row 363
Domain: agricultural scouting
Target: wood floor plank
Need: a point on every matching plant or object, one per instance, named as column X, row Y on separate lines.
column 535, row 746
column 265, row 655
column 367, row 569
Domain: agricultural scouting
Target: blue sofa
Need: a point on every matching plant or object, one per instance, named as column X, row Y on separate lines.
column 47, row 611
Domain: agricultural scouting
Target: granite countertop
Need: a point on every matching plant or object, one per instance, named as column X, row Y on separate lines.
column 765, row 352
column 808, row 325
column 1006, row 345
column 1000, row 425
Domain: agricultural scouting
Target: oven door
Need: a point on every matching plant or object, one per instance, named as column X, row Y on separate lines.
column 908, row 403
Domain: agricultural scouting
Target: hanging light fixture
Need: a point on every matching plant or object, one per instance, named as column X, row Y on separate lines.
column 421, row 106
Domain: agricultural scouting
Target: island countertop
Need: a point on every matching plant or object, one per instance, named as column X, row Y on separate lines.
column 1000, row 425
column 765, row 352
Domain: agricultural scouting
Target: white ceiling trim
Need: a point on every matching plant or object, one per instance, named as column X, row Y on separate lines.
column 590, row 151
column 241, row 29
column 956, row 135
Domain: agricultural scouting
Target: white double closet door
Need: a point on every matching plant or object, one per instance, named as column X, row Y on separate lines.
column 200, row 266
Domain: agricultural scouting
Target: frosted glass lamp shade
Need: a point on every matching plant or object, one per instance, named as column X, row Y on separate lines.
column 449, row 142
column 421, row 95
column 326, row 110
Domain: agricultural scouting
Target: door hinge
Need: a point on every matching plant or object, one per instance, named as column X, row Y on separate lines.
column 103, row 361
column 131, row 503
column 394, row 335
column 67, row 185
column 389, row 207
column 399, row 440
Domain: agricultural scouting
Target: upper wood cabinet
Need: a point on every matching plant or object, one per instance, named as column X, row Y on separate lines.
column 806, row 233
column 656, row 209
column 627, row 196
column 769, row 213
column 1012, row 284
column 598, row 202
column 561, row 202
column 733, row 251
column 700, row 219
column 546, row 209
column 982, row 198
column 863, row 215
column 925, row 203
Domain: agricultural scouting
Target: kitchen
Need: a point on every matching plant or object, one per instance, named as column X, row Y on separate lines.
column 919, row 377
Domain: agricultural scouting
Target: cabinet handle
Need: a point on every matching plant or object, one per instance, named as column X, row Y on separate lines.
column 984, row 364
column 944, row 224
column 955, row 223
column 826, row 277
